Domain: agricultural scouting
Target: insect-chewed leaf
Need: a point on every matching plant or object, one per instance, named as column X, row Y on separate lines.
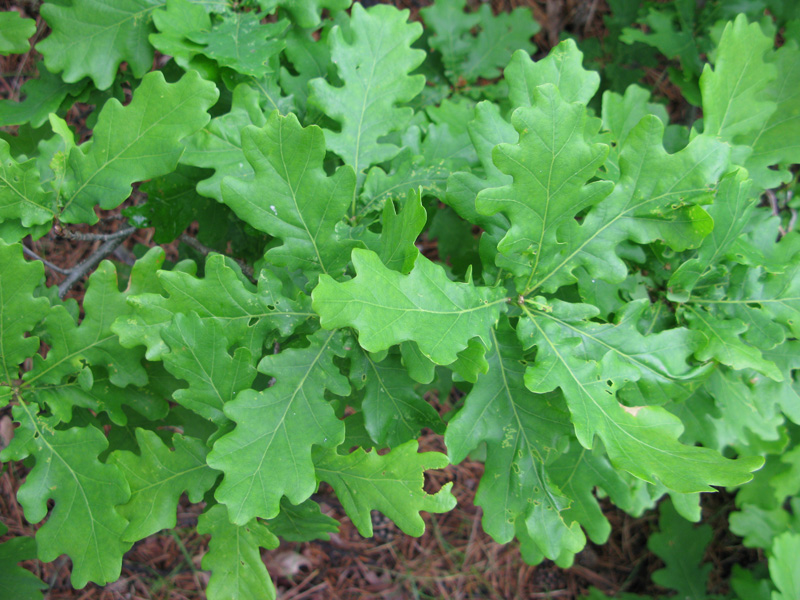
column 522, row 431
column 424, row 306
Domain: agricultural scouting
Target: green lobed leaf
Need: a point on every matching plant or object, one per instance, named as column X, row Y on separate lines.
column 451, row 28
column 134, row 142
column 157, row 478
column 641, row 440
column 17, row 582
column 732, row 207
column 374, row 60
column 268, row 454
column 391, row 483
column 234, row 557
column 424, row 306
column 523, row 432
column 21, row 194
column 247, row 315
column 578, row 472
column 775, row 141
column 783, row 566
column 306, row 13
column 90, row 38
column 84, row 523
column 20, row 311
column 681, row 546
column 400, row 232
column 93, row 342
column 199, row 354
column 734, row 99
column 551, row 165
column 240, row 41
column 304, row 204
column 658, row 363
column 657, row 197
column 562, row 67
column 14, row 33
column 42, row 96
column 394, row 412
column 218, row 145
column 302, row 522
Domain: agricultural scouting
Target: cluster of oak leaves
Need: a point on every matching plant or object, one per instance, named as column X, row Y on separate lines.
column 626, row 320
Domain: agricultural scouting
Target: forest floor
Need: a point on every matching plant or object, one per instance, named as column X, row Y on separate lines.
column 454, row 559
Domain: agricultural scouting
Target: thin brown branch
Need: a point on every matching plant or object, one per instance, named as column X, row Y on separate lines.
column 77, row 273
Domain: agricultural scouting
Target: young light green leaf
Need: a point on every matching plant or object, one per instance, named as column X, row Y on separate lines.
column 157, row 478
column 20, row 311
column 657, row 197
column 562, row 67
column 641, row 440
column 135, row 142
column 551, row 165
column 424, row 306
column 374, row 61
column 304, row 204
column 84, row 523
column 734, row 98
column 199, row 355
column 391, row 483
column 522, row 432
column 400, row 232
column 90, row 38
column 268, row 454
column 14, row 33
column 234, row 557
